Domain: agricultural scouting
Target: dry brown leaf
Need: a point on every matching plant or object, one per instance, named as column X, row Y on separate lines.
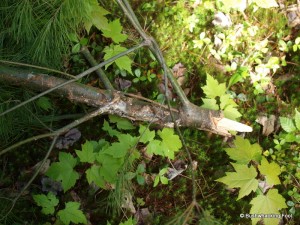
column 268, row 124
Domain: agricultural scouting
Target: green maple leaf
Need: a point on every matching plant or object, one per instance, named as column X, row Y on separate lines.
column 271, row 171
column 231, row 113
column 244, row 152
column 87, row 154
column 244, row 178
column 93, row 175
column 72, row 213
column 146, row 134
column 209, row 103
column 46, row 202
column 170, row 142
column 229, row 107
column 63, row 170
column 123, row 62
column 270, row 203
column 212, row 88
column 97, row 17
column 114, row 32
column 226, row 100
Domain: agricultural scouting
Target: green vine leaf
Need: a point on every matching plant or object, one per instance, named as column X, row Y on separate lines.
column 270, row 203
column 112, row 132
column 271, row 171
column 244, row 152
column 146, row 134
column 154, row 147
column 170, row 142
column 122, row 123
column 72, row 213
column 93, row 175
column 212, row 88
column 287, row 124
column 47, row 203
column 244, row 178
column 115, row 32
column 109, row 166
column 87, row 153
column 63, row 170
column 123, row 62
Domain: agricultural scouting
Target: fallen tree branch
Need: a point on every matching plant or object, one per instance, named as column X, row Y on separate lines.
column 124, row 106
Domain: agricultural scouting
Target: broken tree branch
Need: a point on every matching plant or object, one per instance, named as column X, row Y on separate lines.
column 129, row 107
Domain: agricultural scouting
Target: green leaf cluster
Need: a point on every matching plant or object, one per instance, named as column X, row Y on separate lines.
column 251, row 168
column 106, row 163
column 70, row 214
column 213, row 90
column 104, row 160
